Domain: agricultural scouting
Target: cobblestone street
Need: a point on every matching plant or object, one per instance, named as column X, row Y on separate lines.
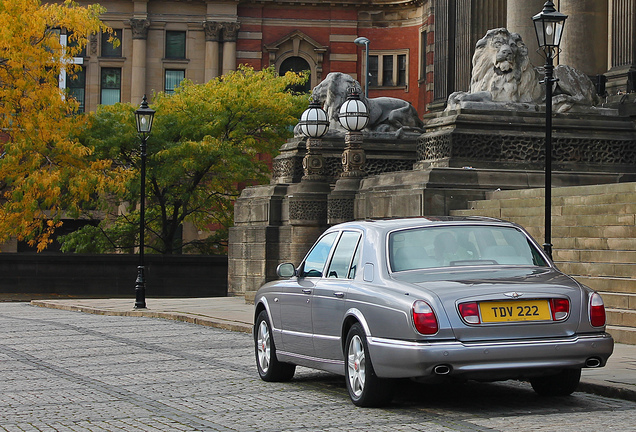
column 69, row 371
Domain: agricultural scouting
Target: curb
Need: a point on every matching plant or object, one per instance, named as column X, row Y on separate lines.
column 175, row 316
column 602, row 388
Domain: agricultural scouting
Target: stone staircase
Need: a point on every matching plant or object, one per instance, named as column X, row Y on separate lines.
column 594, row 238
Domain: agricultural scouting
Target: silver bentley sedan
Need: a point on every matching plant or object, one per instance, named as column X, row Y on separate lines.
column 421, row 298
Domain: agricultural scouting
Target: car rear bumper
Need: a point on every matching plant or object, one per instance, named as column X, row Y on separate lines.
column 405, row 359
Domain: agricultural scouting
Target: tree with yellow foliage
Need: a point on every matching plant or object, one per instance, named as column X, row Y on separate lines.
column 44, row 173
column 206, row 141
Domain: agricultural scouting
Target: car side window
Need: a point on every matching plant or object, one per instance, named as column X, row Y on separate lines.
column 317, row 258
column 342, row 257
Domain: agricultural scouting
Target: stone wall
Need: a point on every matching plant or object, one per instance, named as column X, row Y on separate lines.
column 113, row 275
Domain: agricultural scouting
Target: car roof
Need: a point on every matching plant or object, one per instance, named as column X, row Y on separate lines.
column 398, row 223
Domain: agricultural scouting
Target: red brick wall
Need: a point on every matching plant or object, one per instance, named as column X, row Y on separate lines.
column 338, row 21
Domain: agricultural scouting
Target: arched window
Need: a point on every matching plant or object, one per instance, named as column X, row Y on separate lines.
column 296, row 64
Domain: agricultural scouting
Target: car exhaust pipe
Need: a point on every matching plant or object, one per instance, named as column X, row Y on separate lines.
column 593, row 362
column 442, row 369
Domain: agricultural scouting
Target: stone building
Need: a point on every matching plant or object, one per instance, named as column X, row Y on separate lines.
column 165, row 41
column 420, row 50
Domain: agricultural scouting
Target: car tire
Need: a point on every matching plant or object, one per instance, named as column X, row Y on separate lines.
column 562, row 384
column 269, row 368
column 364, row 387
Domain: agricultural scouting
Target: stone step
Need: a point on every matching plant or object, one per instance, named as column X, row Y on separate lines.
column 619, row 300
column 608, row 284
column 591, row 243
column 614, row 202
column 602, row 189
column 624, row 335
column 576, row 231
column 612, row 270
column 594, row 256
column 535, row 206
column 621, row 317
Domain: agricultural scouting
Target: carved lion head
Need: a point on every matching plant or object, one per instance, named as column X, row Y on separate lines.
column 501, row 66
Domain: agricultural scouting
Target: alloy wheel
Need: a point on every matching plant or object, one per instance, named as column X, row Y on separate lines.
column 263, row 346
column 356, row 365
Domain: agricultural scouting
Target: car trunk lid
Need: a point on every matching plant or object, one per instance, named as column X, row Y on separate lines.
column 510, row 303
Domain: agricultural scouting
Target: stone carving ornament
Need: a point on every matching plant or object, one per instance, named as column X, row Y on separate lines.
column 386, row 114
column 502, row 73
column 139, row 28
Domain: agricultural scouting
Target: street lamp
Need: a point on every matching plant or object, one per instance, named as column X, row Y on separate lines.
column 362, row 41
column 314, row 124
column 548, row 25
column 144, row 116
column 353, row 116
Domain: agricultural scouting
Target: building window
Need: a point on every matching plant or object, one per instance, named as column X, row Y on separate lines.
column 297, row 64
column 111, row 86
column 388, row 69
column 108, row 48
column 175, row 44
column 173, row 79
column 373, row 71
column 73, row 43
column 76, row 87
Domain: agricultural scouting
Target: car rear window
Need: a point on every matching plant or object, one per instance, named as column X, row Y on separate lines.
column 449, row 246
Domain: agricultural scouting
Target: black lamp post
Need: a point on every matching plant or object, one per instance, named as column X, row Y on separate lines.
column 362, row 41
column 144, row 116
column 548, row 25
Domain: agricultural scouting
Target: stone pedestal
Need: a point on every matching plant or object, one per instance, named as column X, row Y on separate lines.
column 384, row 152
column 466, row 153
column 279, row 222
column 342, row 200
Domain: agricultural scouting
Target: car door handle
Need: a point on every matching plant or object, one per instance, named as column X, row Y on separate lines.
column 306, row 291
column 338, row 294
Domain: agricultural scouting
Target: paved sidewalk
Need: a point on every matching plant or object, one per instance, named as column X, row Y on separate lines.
column 617, row 379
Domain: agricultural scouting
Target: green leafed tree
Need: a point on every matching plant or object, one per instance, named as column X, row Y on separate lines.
column 45, row 175
column 207, row 141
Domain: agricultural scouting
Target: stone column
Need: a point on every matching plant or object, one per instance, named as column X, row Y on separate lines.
column 585, row 35
column 473, row 18
column 212, row 32
column 622, row 45
column 139, row 29
column 341, row 206
column 230, row 34
column 519, row 19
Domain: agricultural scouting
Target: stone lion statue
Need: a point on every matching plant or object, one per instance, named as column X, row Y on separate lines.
column 386, row 114
column 503, row 73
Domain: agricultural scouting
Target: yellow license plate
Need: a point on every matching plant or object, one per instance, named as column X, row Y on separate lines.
column 525, row 310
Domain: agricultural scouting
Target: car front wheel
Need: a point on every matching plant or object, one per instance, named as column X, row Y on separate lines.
column 269, row 368
column 562, row 384
column 364, row 387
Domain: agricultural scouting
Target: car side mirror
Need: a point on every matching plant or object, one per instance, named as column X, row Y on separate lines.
column 286, row 270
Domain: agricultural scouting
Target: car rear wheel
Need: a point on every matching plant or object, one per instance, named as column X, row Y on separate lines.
column 562, row 384
column 364, row 387
column 269, row 368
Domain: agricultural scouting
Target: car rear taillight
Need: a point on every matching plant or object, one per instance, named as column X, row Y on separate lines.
column 424, row 318
column 560, row 308
column 597, row 310
column 470, row 312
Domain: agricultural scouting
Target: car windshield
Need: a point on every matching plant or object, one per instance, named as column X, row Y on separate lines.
column 448, row 246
